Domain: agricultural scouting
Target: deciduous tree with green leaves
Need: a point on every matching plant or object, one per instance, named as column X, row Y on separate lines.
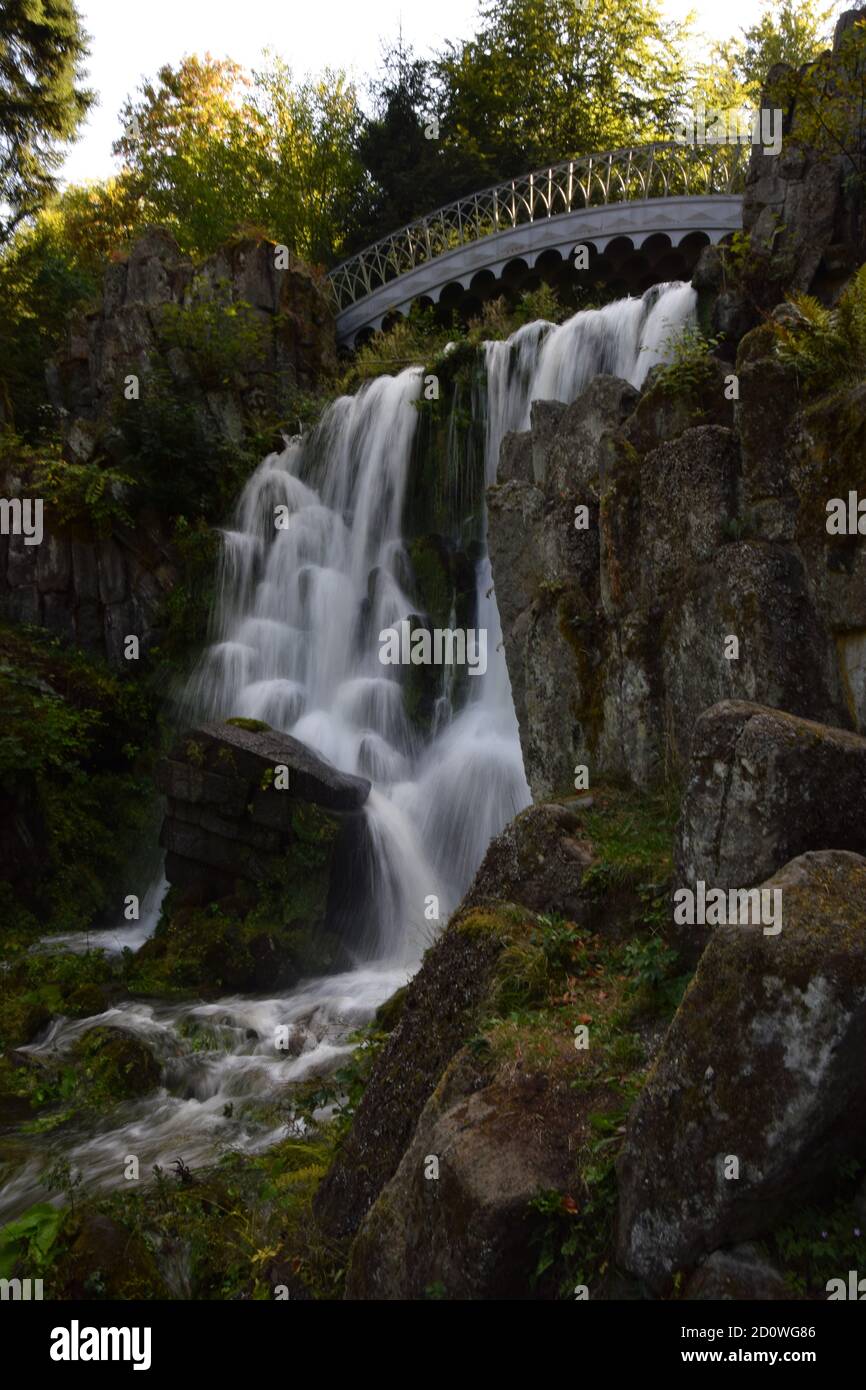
column 793, row 32
column 209, row 148
column 545, row 79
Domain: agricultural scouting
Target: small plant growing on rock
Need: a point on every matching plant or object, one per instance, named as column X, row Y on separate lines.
column 690, row 365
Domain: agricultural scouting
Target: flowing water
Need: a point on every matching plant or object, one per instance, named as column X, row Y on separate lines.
column 295, row 643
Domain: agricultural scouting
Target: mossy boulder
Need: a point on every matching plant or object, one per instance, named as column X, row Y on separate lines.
column 115, row 1064
column 230, row 817
column 456, row 1215
column 740, row 1273
column 669, row 406
column 764, row 787
column 102, row 1259
column 758, row 1092
column 538, row 861
column 263, row 937
column 442, row 1006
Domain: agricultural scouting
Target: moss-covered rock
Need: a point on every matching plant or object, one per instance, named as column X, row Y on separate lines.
column 758, row 1091
column 538, row 861
column 763, row 787
column 454, row 1221
column 105, row 1260
column 442, row 1007
column 741, row 1273
column 670, row 404
column 115, row 1064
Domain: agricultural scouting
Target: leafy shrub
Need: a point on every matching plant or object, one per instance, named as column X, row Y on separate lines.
column 75, row 494
column 28, row 1241
column 822, row 1242
column 690, row 366
column 72, row 761
column 222, row 339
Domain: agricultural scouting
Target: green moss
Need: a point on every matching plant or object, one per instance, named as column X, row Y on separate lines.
column 836, row 464
column 432, row 565
column 388, row 1015
column 185, row 611
column 253, row 726
column 35, row 985
column 267, row 935
column 756, row 345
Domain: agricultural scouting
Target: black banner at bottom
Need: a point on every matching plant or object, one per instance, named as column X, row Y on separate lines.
column 186, row 1339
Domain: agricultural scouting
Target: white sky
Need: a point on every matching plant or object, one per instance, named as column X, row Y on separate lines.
column 129, row 42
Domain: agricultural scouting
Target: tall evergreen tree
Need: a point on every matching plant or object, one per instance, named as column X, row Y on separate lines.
column 42, row 104
column 409, row 169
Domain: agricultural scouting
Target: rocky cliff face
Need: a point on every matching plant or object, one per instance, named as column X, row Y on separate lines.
column 700, row 529
column 127, row 333
column 90, row 590
column 210, row 359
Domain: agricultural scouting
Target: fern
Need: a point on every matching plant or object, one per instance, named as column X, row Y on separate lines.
column 827, row 347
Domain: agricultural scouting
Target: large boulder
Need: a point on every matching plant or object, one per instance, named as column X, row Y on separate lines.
column 228, row 815
column 742, row 1272
column 765, row 786
column 454, row 1217
column 758, row 1091
column 440, row 1012
column 539, row 861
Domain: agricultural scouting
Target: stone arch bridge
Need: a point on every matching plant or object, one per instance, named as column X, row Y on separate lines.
column 643, row 214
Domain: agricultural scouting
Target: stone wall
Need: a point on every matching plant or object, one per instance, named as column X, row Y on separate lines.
column 90, row 591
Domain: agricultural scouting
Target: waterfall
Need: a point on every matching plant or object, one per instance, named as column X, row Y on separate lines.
column 543, row 362
column 295, row 631
column 300, row 609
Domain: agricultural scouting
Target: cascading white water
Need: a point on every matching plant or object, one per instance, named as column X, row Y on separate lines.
column 543, row 362
column 301, row 608
column 295, row 644
column 298, row 624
